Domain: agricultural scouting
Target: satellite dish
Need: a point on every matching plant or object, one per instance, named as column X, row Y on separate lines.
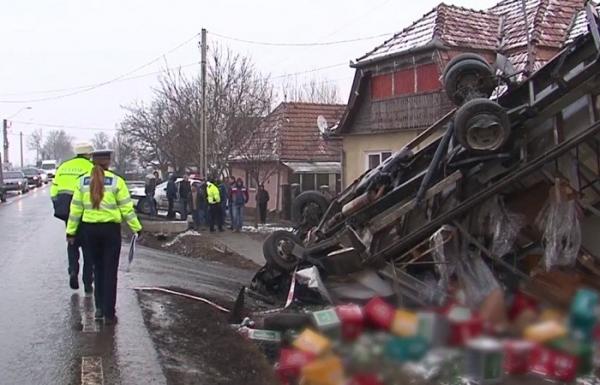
column 322, row 124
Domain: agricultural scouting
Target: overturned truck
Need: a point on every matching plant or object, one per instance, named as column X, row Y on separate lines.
column 510, row 173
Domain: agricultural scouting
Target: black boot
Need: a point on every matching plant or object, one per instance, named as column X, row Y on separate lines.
column 73, row 281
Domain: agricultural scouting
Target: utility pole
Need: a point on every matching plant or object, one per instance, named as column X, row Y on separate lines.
column 5, row 135
column 21, row 143
column 203, row 136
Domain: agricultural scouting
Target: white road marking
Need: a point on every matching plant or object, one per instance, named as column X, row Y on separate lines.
column 91, row 371
column 89, row 323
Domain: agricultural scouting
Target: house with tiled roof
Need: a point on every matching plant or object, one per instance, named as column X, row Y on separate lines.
column 290, row 152
column 397, row 91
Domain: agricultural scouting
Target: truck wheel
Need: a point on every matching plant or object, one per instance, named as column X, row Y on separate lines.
column 468, row 76
column 481, row 125
column 309, row 207
column 3, row 197
column 277, row 249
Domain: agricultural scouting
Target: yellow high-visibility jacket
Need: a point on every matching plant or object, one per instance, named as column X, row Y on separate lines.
column 115, row 207
column 213, row 195
column 64, row 183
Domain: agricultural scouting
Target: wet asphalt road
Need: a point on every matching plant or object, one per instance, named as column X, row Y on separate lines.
column 47, row 330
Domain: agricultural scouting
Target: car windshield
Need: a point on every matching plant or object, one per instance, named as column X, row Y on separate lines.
column 48, row 166
column 13, row 174
column 30, row 172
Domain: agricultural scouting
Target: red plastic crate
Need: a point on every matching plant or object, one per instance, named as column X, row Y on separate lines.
column 365, row 379
column 517, row 356
column 352, row 319
column 554, row 364
column 463, row 331
column 291, row 362
column 379, row 313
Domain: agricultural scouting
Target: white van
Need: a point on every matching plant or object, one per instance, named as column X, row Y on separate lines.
column 49, row 166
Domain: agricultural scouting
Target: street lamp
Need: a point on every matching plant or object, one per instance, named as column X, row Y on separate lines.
column 19, row 111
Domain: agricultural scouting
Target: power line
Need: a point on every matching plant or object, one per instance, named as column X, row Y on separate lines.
column 83, row 89
column 310, row 71
column 54, row 125
column 302, row 44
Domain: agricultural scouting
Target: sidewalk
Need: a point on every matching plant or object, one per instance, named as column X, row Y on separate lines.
column 242, row 244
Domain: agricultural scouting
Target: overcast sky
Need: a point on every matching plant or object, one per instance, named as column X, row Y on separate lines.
column 65, row 44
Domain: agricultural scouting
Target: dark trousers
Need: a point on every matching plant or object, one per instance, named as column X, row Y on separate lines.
column 262, row 211
column 184, row 209
column 170, row 212
column 216, row 217
column 103, row 241
column 73, row 257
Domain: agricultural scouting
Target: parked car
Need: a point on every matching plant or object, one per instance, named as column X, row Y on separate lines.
column 33, row 177
column 43, row 175
column 142, row 205
column 15, row 181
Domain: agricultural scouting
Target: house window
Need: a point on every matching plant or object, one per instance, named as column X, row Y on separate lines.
column 250, row 179
column 307, row 181
column 428, row 78
column 382, row 86
column 374, row 159
column 322, row 180
column 404, row 82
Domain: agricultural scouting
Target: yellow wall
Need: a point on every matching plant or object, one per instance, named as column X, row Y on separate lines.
column 356, row 148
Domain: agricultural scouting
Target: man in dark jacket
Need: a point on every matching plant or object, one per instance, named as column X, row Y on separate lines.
column 150, row 190
column 262, row 200
column 238, row 199
column 171, row 195
column 185, row 193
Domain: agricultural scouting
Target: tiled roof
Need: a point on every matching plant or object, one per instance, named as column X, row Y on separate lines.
column 502, row 26
column 294, row 136
column 579, row 26
column 453, row 26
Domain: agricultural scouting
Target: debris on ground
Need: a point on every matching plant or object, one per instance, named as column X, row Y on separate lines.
column 198, row 345
column 195, row 244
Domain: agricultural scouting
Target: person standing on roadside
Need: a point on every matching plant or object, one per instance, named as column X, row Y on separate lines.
column 231, row 185
column 262, row 200
column 63, row 185
column 150, row 190
column 213, row 196
column 238, row 199
column 224, row 191
column 185, row 193
column 171, row 195
column 101, row 202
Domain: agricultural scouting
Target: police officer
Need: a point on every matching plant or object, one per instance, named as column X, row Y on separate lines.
column 213, row 196
column 100, row 203
column 61, row 192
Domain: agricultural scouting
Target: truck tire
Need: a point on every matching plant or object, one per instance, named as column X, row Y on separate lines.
column 3, row 197
column 481, row 125
column 277, row 250
column 314, row 201
column 468, row 78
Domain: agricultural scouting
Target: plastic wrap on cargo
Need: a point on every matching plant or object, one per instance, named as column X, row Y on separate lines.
column 475, row 276
column 562, row 234
column 501, row 224
column 444, row 245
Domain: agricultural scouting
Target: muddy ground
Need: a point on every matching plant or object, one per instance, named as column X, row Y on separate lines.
column 197, row 345
column 198, row 245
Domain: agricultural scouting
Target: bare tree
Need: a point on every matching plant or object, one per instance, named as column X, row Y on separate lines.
column 124, row 158
column 58, row 145
column 101, row 140
column 35, row 142
column 314, row 91
column 167, row 131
